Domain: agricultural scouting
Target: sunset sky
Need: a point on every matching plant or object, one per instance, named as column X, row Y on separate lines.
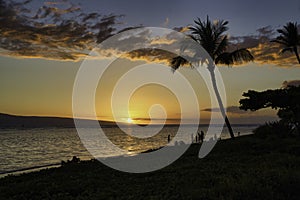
column 37, row 79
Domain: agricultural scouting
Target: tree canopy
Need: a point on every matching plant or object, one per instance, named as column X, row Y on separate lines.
column 285, row 100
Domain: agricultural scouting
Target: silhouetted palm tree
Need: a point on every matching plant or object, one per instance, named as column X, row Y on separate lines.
column 213, row 39
column 289, row 38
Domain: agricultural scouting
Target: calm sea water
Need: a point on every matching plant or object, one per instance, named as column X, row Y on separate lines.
column 24, row 148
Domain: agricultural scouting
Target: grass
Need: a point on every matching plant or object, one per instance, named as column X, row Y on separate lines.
column 245, row 168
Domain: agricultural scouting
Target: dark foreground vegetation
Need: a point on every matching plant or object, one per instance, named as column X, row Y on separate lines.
column 286, row 100
column 249, row 167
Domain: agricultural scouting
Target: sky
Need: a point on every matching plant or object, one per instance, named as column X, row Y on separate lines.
column 245, row 17
column 39, row 61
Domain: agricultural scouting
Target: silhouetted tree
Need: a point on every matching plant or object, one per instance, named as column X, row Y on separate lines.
column 286, row 101
column 211, row 36
column 289, row 38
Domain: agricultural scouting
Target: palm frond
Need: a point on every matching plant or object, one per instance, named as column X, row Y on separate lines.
column 281, row 40
column 178, row 61
column 212, row 37
column 220, row 27
column 289, row 35
column 289, row 38
column 237, row 56
column 222, row 46
column 204, row 32
column 289, row 49
column 225, row 59
column 242, row 55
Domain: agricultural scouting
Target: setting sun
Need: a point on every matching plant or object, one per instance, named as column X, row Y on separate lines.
column 129, row 120
column 111, row 96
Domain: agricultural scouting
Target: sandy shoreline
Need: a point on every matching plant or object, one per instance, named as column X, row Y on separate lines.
column 248, row 167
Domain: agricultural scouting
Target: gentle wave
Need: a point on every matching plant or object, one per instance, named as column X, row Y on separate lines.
column 28, row 148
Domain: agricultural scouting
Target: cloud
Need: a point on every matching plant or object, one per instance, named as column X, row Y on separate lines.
column 263, row 50
column 148, row 45
column 285, row 84
column 162, row 40
column 52, row 31
column 182, row 29
column 54, row 2
column 229, row 109
column 60, row 30
column 240, row 116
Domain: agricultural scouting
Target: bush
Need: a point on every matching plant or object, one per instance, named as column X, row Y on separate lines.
column 277, row 129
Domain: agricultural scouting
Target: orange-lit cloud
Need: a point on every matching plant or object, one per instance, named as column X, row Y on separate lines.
column 263, row 50
column 59, row 30
column 51, row 32
column 182, row 29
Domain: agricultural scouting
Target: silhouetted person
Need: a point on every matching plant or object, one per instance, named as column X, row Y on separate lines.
column 192, row 138
column 215, row 137
column 74, row 160
column 176, row 143
column 202, row 136
column 199, row 136
column 169, row 138
column 239, row 133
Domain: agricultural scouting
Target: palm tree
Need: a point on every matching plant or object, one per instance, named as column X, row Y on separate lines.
column 289, row 38
column 213, row 39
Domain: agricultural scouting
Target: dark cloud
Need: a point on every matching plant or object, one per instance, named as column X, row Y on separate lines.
column 266, row 31
column 55, row 31
column 61, row 30
column 285, row 84
column 229, row 109
column 263, row 50
column 151, row 45
column 240, row 116
column 259, row 44
column 263, row 35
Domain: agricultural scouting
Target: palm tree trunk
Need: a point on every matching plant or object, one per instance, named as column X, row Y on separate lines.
column 297, row 54
column 214, row 82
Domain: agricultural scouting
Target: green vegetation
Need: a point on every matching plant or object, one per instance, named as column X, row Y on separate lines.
column 245, row 168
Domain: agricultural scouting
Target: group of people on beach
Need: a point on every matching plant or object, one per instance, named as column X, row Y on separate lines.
column 199, row 137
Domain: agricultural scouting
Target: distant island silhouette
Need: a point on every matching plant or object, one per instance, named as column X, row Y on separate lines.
column 14, row 121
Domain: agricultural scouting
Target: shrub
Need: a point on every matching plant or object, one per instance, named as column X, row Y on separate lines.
column 277, row 129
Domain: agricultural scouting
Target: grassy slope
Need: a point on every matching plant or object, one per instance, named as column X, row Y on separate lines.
column 247, row 168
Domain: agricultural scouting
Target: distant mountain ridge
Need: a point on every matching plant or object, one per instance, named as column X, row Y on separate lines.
column 14, row 121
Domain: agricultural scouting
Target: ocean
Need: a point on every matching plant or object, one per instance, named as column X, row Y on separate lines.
column 29, row 148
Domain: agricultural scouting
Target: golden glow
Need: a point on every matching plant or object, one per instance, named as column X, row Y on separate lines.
column 129, row 120
column 44, row 99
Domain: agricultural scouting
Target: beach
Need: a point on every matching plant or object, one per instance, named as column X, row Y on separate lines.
column 32, row 147
column 149, row 100
column 248, row 167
